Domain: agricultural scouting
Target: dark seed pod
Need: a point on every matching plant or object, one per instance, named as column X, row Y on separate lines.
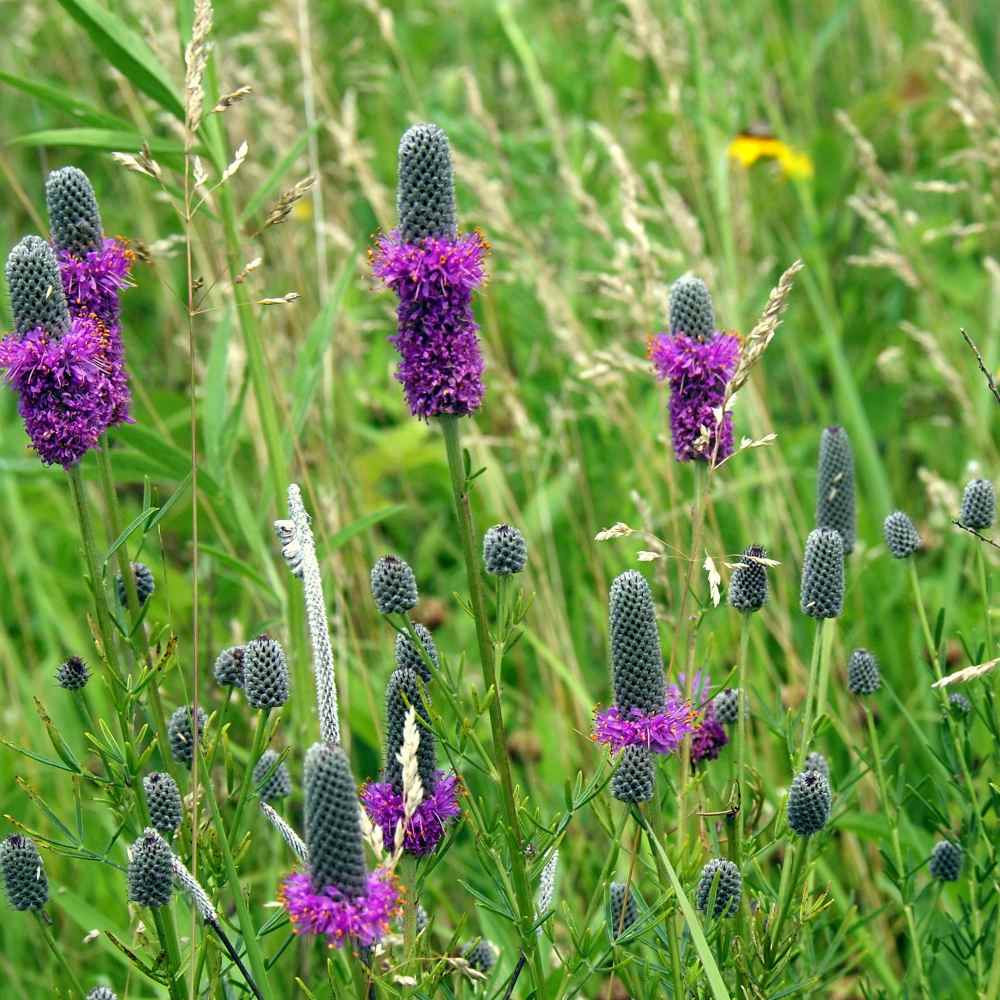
column 727, row 706
column 229, row 667
column 24, row 878
column 959, row 704
column 633, row 780
column 163, row 798
column 810, row 802
column 426, row 196
column 394, row 586
column 144, row 585
column 946, row 861
column 408, row 656
column 822, row 593
column 623, row 910
column 333, row 822
column 150, row 870
column 37, row 299
column 74, row 217
column 73, row 674
column 279, row 784
column 636, row 659
column 817, row 762
column 835, row 486
column 180, row 733
column 748, row 584
column 265, row 673
column 691, row 310
column 901, row 537
column 863, row 675
column 728, row 891
column 979, row 505
column 481, row 956
column 504, row 550
column 401, row 693
column 101, row 993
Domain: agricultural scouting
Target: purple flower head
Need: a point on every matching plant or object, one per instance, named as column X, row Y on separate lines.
column 709, row 736
column 697, row 372
column 384, row 806
column 441, row 367
column 67, row 395
column 340, row 918
column 93, row 282
column 662, row 732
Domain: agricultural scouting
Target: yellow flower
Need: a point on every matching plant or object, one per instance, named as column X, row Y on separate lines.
column 748, row 148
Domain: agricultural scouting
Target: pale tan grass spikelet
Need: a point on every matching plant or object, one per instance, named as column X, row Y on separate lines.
column 413, row 788
column 234, row 97
column 282, row 208
column 967, row 674
column 762, row 334
column 941, row 364
column 195, row 61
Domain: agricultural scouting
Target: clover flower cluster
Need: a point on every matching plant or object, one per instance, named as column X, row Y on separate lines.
column 65, row 358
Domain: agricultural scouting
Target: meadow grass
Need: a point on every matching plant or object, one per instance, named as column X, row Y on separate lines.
column 591, row 147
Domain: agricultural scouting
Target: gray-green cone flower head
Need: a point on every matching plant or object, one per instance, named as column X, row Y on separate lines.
column 727, row 706
column 636, row 658
column 822, row 594
column 102, row 993
column 425, row 198
column 73, row 674
column 622, row 911
column 394, row 586
column 229, row 667
column 401, row 693
column 145, row 585
column 272, row 783
column 835, row 486
column 333, row 822
column 817, row 762
column 74, row 217
column 748, row 584
column 810, row 803
column 504, row 550
column 481, row 956
column 265, row 673
column 633, row 779
column 691, row 310
column 163, row 798
column 721, row 877
column 979, row 505
column 901, row 537
column 959, row 705
column 24, row 878
column 180, row 733
column 37, row 299
column 150, row 870
column 946, row 861
column 408, row 657
column 863, row 674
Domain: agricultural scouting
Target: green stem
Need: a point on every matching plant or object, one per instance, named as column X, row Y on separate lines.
column 956, row 738
column 794, row 867
column 456, row 468
column 167, row 933
column 259, row 739
column 250, row 941
column 134, row 608
column 408, row 878
column 993, row 988
column 742, row 753
column 984, row 585
column 897, row 854
column 60, row 955
column 814, row 670
column 829, row 624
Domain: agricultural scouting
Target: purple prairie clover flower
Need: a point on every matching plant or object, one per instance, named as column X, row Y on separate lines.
column 709, row 735
column 697, row 372
column 423, row 833
column 341, row 918
column 662, row 732
column 441, row 366
column 93, row 283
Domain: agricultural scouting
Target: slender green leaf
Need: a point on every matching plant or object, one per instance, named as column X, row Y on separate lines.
column 345, row 534
column 270, row 185
column 115, row 140
column 126, row 51
column 64, row 100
